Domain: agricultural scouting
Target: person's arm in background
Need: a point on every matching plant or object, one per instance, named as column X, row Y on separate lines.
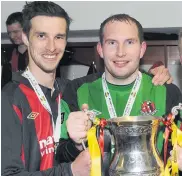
column 160, row 73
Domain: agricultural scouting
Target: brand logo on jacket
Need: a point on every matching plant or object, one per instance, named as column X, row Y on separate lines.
column 32, row 115
column 148, row 108
column 46, row 146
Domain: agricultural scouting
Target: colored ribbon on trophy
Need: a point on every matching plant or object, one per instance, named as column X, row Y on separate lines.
column 167, row 121
column 94, row 150
column 176, row 140
column 102, row 124
column 176, row 137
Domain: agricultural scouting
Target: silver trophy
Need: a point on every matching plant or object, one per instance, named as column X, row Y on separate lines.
column 135, row 146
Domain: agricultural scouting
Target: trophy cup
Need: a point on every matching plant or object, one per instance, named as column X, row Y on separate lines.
column 135, row 145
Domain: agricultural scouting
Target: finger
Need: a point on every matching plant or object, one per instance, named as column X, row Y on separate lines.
column 85, row 107
column 76, row 122
column 165, row 77
column 77, row 128
column 161, row 78
column 80, row 115
column 158, row 73
column 89, row 125
column 170, row 80
column 153, row 71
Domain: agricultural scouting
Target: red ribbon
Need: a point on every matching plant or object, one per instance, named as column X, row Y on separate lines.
column 102, row 124
column 167, row 121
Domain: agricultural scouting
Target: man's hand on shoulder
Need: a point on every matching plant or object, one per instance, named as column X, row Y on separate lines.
column 161, row 75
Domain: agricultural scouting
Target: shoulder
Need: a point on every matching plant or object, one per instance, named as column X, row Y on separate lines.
column 10, row 89
column 70, row 92
column 75, row 84
column 62, row 83
column 173, row 91
column 147, row 76
column 173, row 96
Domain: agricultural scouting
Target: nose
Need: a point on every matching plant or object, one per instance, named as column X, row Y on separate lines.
column 121, row 52
column 51, row 45
column 12, row 35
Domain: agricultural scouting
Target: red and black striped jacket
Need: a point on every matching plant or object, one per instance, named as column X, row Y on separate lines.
column 27, row 135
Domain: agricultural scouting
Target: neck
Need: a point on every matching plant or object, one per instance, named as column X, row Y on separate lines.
column 22, row 48
column 43, row 78
column 121, row 81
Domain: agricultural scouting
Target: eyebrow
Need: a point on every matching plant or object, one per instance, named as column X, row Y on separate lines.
column 109, row 39
column 40, row 32
column 61, row 35
column 132, row 39
column 44, row 33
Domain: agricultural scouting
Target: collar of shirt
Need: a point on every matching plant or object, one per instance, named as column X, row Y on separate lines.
column 17, row 77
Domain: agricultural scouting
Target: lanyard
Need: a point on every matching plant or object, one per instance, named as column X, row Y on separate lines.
column 130, row 101
column 56, row 128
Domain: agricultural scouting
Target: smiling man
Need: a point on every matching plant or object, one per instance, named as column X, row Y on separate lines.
column 122, row 90
column 31, row 115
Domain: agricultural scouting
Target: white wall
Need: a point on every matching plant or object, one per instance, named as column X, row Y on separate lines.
column 88, row 15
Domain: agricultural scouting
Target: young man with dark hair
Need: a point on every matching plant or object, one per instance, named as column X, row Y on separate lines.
column 122, row 90
column 31, row 114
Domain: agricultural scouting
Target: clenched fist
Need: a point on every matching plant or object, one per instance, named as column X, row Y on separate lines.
column 78, row 124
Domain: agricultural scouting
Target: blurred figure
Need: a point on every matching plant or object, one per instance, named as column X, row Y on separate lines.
column 180, row 44
column 17, row 55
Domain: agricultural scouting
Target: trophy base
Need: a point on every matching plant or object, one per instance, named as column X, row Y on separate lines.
column 120, row 173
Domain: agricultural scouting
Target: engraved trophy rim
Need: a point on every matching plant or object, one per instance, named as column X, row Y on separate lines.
column 134, row 119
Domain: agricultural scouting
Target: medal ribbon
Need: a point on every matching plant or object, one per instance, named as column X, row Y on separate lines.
column 130, row 101
column 56, row 128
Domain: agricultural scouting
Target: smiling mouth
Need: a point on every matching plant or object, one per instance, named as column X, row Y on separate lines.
column 120, row 63
column 48, row 56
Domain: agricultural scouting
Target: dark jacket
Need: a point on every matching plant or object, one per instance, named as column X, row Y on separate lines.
column 27, row 144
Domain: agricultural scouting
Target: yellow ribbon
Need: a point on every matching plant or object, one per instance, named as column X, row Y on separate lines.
column 176, row 138
column 94, row 151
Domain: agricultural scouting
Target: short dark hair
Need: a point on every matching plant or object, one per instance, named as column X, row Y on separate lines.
column 16, row 17
column 121, row 17
column 42, row 8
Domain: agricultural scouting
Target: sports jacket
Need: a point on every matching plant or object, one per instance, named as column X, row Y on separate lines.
column 27, row 135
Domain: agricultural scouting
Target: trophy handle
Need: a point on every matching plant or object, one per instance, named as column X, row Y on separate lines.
column 155, row 124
